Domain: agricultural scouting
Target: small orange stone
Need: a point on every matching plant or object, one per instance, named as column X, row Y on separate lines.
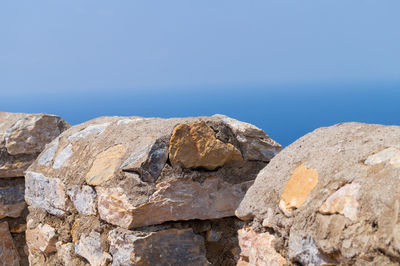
column 300, row 184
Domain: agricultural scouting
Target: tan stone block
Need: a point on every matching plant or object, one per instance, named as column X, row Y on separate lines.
column 105, row 165
column 172, row 201
column 300, row 184
column 42, row 238
column 194, row 145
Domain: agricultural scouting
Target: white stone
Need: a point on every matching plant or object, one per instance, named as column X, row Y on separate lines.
column 382, row 156
column 45, row 192
column 89, row 247
column 92, row 129
column 84, row 199
column 62, row 157
column 49, row 153
column 128, row 121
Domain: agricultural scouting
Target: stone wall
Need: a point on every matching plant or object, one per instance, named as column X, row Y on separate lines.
column 330, row 198
column 143, row 191
column 22, row 138
column 151, row 191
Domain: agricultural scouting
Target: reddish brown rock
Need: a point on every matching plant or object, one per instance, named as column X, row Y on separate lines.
column 8, row 253
column 194, row 145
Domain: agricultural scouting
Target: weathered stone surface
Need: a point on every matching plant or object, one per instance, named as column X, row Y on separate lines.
column 254, row 143
column 258, row 249
column 391, row 155
column 114, row 172
column 167, row 247
column 300, row 184
column 302, row 249
column 194, row 145
column 8, row 253
column 65, row 252
column 353, row 209
column 84, row 199
column 45, row 192
column 89, row 130
column 114, row 206
column 148, row 161
column 89, row 247
column 23, row 137
column 172, row 201
column 105, row 164
column 12, row 201
column 62, row 156
column 47, row 156
column 343, row 201
column 42, row 238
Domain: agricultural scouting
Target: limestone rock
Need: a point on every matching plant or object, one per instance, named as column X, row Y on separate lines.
column 194, row 145
column 104, row 165
column 62, row 156
column 352, row 206
column 89, row 247
column 23, row 137
column 114, row 206
column 42, row 238
column 172, row 201
column 258, row 249
column 84, row 199
column 391, row 155
column 167, row 247
column 302, row 249
column 12, row 201
column 8, row 253
column 254, row 143
column 45, row 192
column 343, row 201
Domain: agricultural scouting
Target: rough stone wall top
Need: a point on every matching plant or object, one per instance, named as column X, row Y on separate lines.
column 334, row 194
column 23, row 137
column 141, row 170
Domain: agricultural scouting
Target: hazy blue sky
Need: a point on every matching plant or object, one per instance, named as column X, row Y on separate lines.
column 286, row 66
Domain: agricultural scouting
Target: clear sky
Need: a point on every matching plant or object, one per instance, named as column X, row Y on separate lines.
column 287, row 66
